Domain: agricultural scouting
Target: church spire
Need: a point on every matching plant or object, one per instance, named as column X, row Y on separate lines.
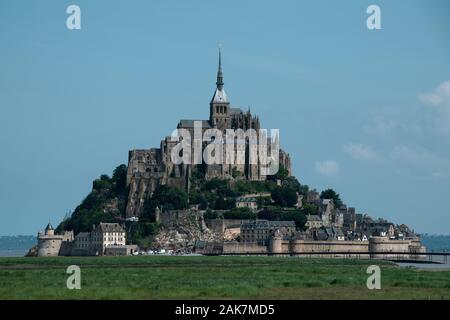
column 219, row 94
column 219, row 82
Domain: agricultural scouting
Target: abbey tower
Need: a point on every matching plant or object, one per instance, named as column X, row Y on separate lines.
column 148, row 168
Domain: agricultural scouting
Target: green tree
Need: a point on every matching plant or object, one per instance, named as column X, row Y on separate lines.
column 279, row 214
column 331, row 194
column 292, row 182
column 143, row 232
column 235, row 173
column 240, row 213
column 284, row 196
column 209, row 214
column 309, row 209
column 266, row 214
column 167, row 197
column 119, row 178
column 282, row 174
column 298, row 217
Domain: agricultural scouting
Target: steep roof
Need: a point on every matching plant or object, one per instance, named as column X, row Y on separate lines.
column 111, row 227
column 190, row 123
column 244, row 199
column 313, row 217
column 265, row 224
column 219, row 96
column 83, row 235
column 236, row 111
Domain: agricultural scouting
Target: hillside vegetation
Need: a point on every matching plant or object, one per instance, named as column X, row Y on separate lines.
column 108, row 199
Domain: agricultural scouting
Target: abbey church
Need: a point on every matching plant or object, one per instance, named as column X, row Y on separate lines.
column 148, row 168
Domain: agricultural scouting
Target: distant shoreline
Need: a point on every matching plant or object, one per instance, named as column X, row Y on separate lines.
column 13, row 253
column 16, row 246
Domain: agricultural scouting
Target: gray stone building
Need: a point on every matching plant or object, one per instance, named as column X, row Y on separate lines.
column 51, row 244
column 247, row 202
column 105, row 235
column 149, row 168
column 260, row 231
column 314, row 221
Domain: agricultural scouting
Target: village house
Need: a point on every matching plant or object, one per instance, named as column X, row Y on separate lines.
column 106, row 234
column 104, row 239
column 245, row 202
column 260, row 231
column 314, row 222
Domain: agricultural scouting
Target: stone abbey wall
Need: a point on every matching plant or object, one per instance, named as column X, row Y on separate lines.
column 49, row 247
column 149, row 168
column 52, row 245
column 170, row 218
column 384, row 244
column 220, row 225
column 412, row 248
column 325, row 246
column 243, row 247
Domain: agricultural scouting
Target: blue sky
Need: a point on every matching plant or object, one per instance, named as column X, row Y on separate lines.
column 366, row 112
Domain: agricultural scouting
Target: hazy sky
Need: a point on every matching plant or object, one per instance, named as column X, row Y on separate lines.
column 366, row 112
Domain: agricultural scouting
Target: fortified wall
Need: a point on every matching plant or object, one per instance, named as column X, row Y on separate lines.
column 411, row 248
column 304, row 246
column 243, row 247
column 221, row 225
column 51, row 244
column 384, row 244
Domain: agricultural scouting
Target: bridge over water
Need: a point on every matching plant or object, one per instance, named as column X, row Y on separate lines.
column 410, row 257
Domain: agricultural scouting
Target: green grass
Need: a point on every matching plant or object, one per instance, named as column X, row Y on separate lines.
column 166, row 277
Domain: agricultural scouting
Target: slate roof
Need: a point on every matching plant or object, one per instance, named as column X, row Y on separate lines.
column 111, row 227
column 190, row 123
column 83, row 235
column 265, row 224
column 320, row 235
column 243, row 199
column 219, row 96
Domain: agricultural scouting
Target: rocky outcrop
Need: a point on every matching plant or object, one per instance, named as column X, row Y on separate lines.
column 33, row 252
column 183, row 229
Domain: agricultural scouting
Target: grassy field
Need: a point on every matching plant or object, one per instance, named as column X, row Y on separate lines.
column 167, row 277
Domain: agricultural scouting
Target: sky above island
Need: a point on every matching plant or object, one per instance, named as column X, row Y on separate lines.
column 365, row 112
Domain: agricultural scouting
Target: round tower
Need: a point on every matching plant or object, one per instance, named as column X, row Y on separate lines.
column 49, row 231
column 276, row 243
